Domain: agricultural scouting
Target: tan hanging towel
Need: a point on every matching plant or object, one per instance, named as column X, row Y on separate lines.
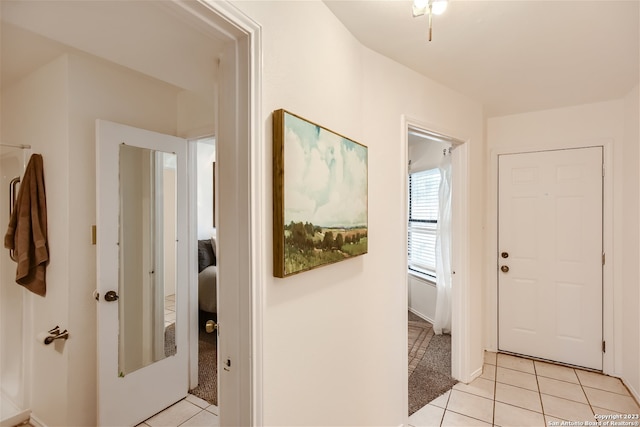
column 27, row 232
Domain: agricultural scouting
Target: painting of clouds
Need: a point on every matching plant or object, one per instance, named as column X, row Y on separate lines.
column 320, row 195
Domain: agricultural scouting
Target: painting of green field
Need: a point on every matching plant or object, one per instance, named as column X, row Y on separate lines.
column 308, row 246
column 324, row 190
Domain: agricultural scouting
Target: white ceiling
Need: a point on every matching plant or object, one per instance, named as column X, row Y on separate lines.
column 513, row 56
column 147, row 36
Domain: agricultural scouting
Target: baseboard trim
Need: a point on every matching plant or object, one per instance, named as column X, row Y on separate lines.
column 35, row 422
column 420, row 315
column 476, row 374
column 634, row 393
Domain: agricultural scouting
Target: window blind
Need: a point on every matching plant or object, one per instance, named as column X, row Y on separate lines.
column 423, row 220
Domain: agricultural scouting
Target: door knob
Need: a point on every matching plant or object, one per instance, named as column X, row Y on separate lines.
column 210, row 326
column 111, row 296
column 505, row 268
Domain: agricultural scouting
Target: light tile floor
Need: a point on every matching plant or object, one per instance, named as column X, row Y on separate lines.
column 169, row 309
column 514, row 391
column 511, row 391
column 189, row 412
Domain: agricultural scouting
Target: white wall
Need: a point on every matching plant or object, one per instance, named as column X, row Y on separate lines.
column 422, row 297
column 571, row 127
column 35, row 112
column 206, row 155
column 631, row 255
column 335, row 337
column 54, row 109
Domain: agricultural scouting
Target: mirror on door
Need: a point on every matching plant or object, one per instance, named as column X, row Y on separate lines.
column 147, row 257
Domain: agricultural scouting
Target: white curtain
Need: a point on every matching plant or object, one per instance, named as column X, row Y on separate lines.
column 442, row 321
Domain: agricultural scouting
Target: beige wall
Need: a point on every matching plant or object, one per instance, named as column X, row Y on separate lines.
column 54, row 110
column 35, row 112
column 335, row 337
column 631, row 249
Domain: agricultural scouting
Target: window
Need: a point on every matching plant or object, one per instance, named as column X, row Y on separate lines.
column 423, row 221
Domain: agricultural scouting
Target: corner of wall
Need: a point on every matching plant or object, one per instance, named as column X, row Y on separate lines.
column 630, row 322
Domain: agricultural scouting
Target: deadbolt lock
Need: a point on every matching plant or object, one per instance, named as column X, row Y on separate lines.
column 505, row 254
column 111, row 296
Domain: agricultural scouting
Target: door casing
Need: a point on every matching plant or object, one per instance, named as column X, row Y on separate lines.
column 241, row 207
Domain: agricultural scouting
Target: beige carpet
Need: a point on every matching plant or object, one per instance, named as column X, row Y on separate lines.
column 431, row 375
column 207, row 388
column 170, row 340
column 420, row 333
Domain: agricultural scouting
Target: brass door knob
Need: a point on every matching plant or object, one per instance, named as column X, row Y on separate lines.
column 504, row 268
column 210, row 326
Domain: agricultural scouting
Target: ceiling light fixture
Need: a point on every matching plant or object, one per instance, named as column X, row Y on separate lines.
column 433, row 7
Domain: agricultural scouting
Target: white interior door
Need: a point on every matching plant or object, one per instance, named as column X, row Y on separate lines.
column 141, row 217
column 550, row 255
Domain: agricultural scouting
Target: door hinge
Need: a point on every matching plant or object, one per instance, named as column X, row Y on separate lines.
column 604, row 346
column 604, row 258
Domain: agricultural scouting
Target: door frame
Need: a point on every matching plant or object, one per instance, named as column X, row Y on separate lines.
column 461, row 340
column 241, row 208
column 608, row 313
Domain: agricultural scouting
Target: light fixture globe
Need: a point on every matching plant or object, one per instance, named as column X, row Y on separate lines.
column 420, row 7
column 439, row 6
column 433, row 7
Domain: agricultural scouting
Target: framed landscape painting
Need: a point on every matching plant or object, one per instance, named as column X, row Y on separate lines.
column 320, row 196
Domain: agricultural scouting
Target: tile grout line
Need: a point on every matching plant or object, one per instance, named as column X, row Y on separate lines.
column 558, row 381
column 495, row 386
column 585, row 394
column 544, row 414
column 445, row 408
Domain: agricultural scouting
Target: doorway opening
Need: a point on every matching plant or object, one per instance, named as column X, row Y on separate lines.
column 207, row 277
column 201, row 26
column 429, row 267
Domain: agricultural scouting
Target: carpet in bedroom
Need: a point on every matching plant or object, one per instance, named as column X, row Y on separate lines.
column 207, row 388
column 431, row 375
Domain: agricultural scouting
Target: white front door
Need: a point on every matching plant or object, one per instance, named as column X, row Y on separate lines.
column 141, row 256
column 550, row 255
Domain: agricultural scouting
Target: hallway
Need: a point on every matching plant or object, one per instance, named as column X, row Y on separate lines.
column 514, row 391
